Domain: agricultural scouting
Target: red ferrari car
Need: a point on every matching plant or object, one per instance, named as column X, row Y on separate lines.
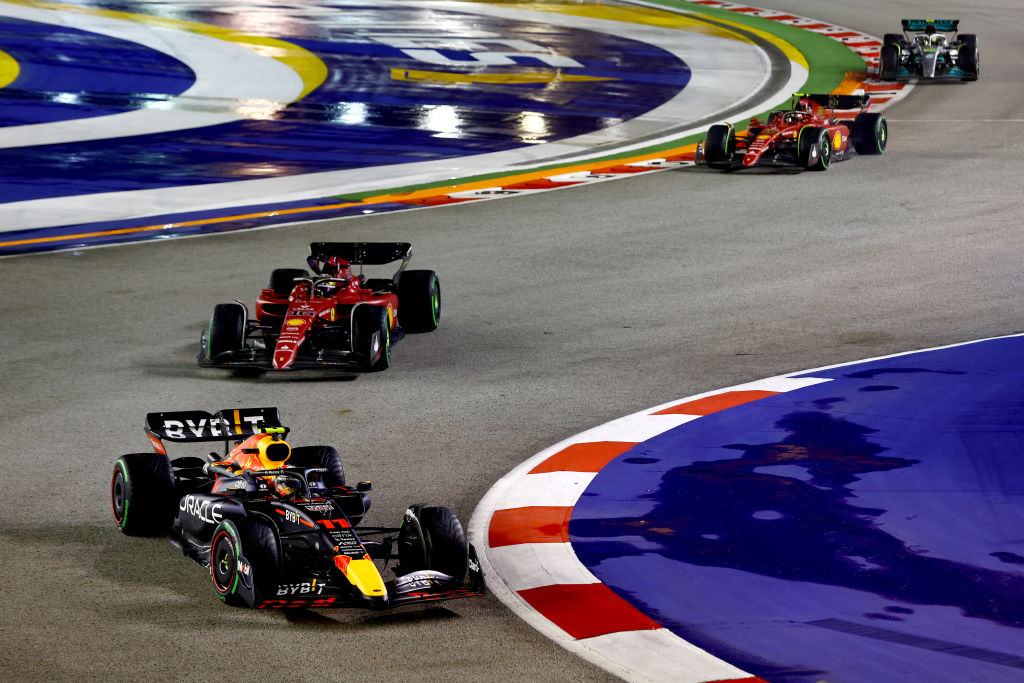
column 815, row 131
column 332, row 318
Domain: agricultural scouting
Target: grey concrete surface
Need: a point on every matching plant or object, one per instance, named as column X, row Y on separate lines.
column 561, row 311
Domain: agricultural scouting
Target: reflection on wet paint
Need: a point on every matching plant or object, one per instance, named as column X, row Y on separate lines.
column 467, row 85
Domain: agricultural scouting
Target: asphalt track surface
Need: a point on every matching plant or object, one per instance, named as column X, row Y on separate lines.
column 562, row 310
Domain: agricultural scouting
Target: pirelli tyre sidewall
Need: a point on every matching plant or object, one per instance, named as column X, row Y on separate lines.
column 433, row 538
column 244, row 562
column 226, row 331
column 889, row 61
column 814, row 148
column 870, row 133
column 719, row 145
column 419, row 301
column 142, row 494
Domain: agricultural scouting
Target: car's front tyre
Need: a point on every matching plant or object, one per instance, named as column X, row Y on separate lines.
column 226, row 331
column 968, row 56
column 814, row 148
column 373, row 336
column 433, row 538
column 244, row 562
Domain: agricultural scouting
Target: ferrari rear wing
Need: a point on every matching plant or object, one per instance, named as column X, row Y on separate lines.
column 224, row 425
column 359, row 253
column 922, row 24
column 832, row 101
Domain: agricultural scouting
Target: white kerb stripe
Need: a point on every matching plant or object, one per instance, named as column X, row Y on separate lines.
column 532, row 565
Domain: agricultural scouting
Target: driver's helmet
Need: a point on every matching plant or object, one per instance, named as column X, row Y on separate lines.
column 329, row 287
column 264, row 451
column 285, row 485
column 929, row 29
column 794, row 116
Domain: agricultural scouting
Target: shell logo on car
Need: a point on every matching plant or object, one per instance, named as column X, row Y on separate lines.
column 294, row 322
column 837, row 140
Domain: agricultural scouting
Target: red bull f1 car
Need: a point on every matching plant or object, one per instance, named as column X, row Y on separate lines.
column 279, row 527
column 814, row 132
column 929, row 48
column 332, row 318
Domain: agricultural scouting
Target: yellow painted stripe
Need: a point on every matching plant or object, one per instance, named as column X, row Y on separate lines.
column 9, row 69
column 506, row 79
column 666, row 19
column 307, row 65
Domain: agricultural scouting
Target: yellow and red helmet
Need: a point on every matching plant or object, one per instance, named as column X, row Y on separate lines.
column 265, row 451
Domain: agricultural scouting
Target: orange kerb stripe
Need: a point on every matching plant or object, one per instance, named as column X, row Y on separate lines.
column 583, row 457
column 529, row 525
column 712, row 404
column 401, row 197
column 587, row 610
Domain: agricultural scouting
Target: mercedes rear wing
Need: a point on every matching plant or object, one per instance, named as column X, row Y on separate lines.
column 225, row 425
column 945, row 25
column 359, row 253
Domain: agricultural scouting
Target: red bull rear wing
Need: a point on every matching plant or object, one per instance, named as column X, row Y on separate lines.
column 224, row 425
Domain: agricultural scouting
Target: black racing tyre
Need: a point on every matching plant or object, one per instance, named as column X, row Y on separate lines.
column 719, row 145
column 814, row 148
column 320, row 456
column 226, row 331
column 969, row 57
column 282, row 280
column 869, row 133
column 142, row 494
column 892, row 39
column 889, row 62
column 419, row 301
column 373, row 336
column 433, row 539
column 248, row 583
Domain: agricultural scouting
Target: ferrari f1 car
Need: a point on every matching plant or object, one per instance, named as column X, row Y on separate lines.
column 929, row 48
column 815, row 131
column 332, row 318
column 278, row 526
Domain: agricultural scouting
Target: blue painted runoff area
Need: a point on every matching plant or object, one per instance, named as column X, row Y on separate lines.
column 65, row 73
column 867, row 528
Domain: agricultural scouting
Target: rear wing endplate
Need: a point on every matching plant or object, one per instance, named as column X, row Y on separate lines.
column 359, row 253
column 922, row 24
column 224, row 425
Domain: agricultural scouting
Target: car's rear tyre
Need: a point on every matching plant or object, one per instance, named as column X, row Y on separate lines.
column 814, row 148
column 373, row 336
column 889, row 62
column 419, row 301
column 142, row 494
column 870, row 133
column 719, row 145
column 227, row 329
column 320, row 456
column 892, row 39
column 969, row 58
column 282, row 280
column 433, row 538
column 244, row 562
